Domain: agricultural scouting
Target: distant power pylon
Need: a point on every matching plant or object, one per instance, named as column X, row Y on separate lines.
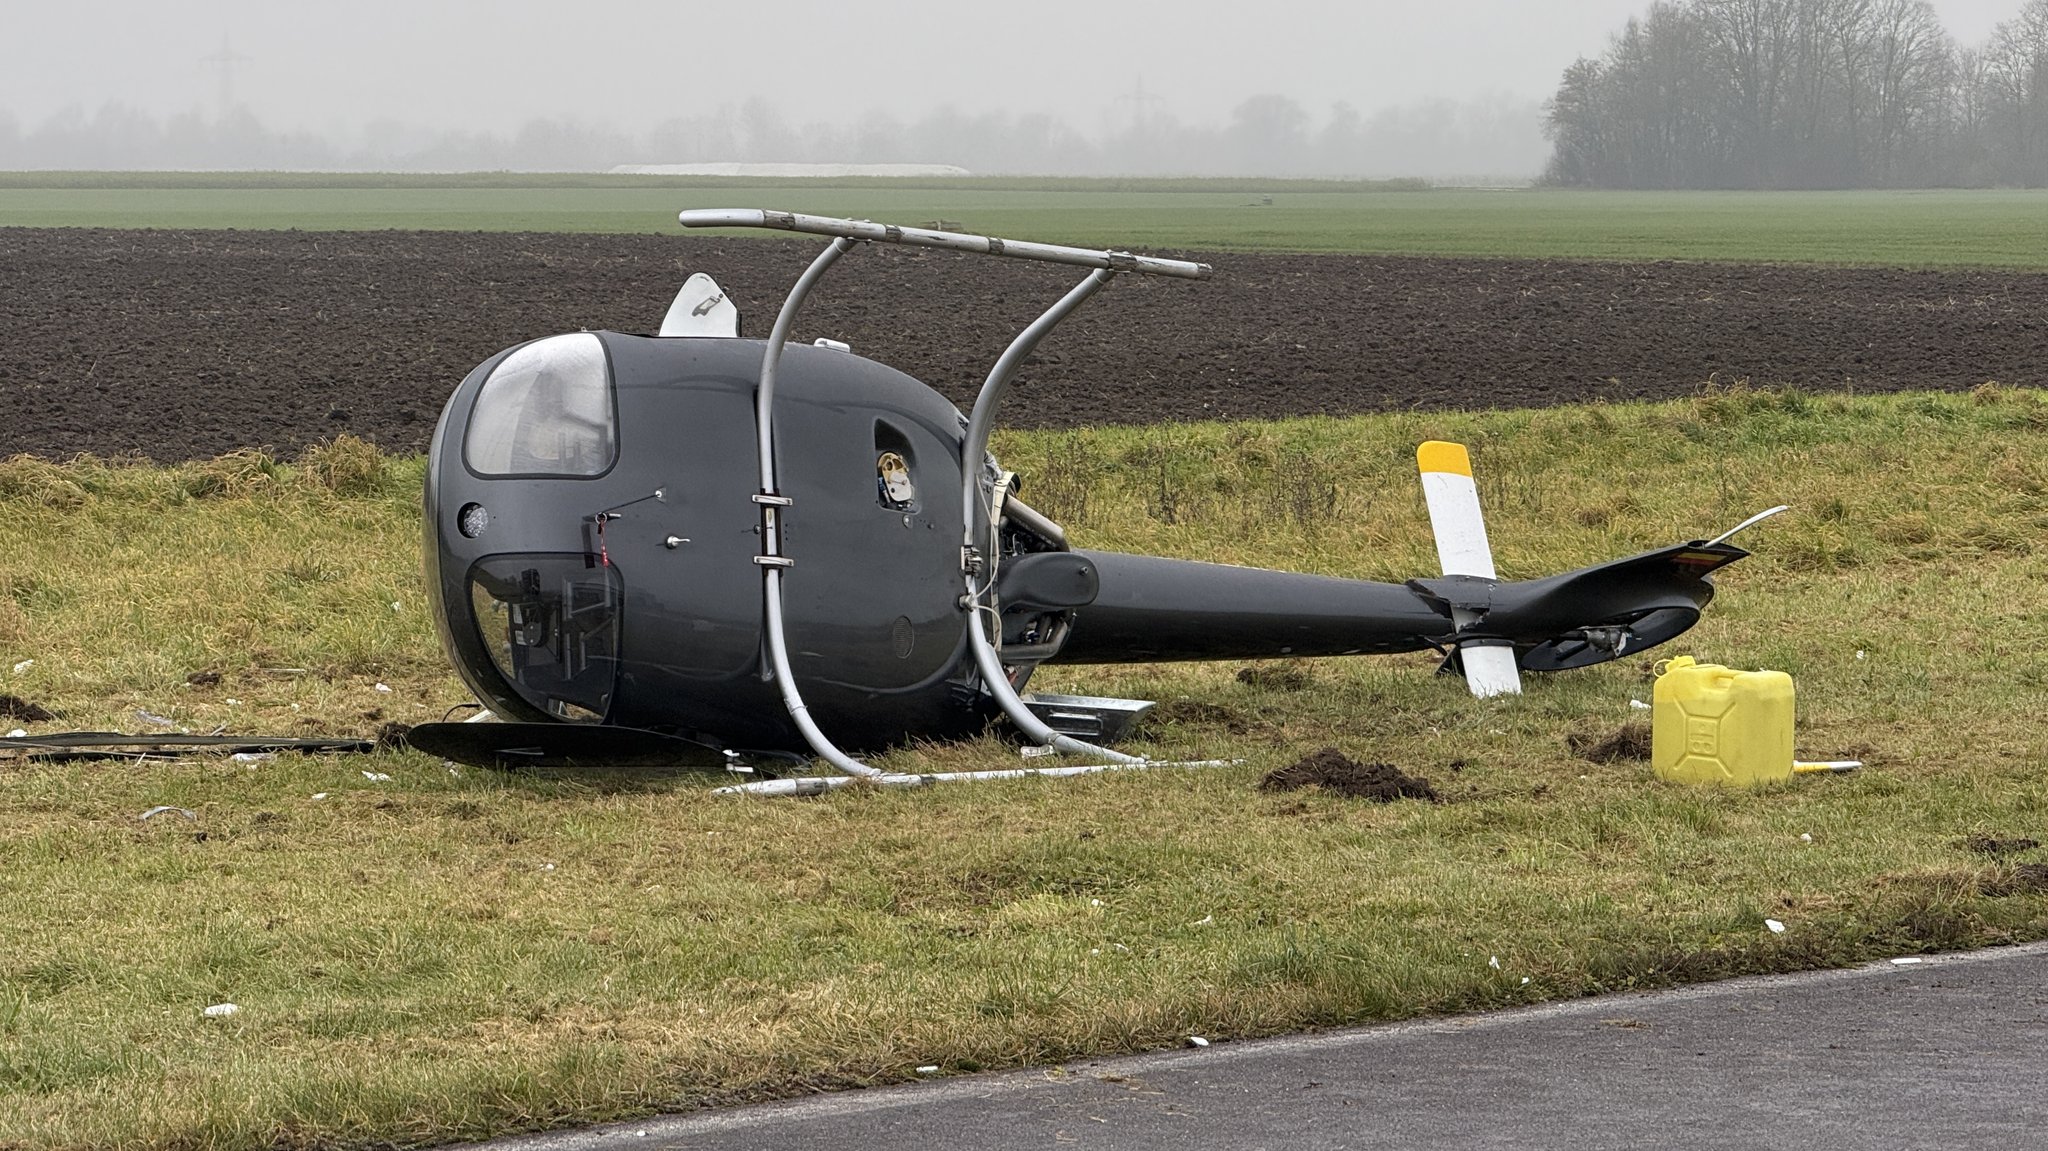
column 1141, row 103
column 225, row 60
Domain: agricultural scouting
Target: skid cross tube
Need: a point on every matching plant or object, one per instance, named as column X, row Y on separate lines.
column 973, row 507
column 771, row 502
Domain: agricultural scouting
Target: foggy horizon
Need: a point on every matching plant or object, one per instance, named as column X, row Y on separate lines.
column 362, row 81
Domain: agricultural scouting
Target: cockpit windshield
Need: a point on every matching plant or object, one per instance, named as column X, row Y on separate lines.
column 545, row 411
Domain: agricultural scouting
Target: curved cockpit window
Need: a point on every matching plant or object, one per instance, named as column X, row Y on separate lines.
column 551, row 624
column 545, row 411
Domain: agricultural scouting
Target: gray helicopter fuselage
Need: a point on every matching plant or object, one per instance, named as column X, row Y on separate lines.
column 578, row 593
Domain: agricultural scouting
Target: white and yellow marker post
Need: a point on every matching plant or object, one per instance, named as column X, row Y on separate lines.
column 1461, row 549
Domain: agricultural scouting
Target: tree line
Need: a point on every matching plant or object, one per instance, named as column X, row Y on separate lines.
column 1264, row 135
column 1804, row 94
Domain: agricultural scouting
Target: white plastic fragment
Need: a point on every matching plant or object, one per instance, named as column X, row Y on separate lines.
column 221, row 1010
column 1197, row 1041
column 1033, row 751
column 23, row 666
column 383, row 687
column 1203, row 921
column 253, row 756
column 162, row 809
column 1095, row 903
column 376, row 777
column 17, row 733
column 151, row 717
column 1908, row 960
column 319, row 795
column 1806, row 837
column 1776, row 927
column 1525, row 981
column 396, row 606
column 233, row 702
column 1860, row 655
column 1639, row 705
column 928, row 1069
column 1493, row 961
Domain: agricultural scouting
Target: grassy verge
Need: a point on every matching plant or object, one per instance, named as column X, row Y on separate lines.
column 447, row 954
column 1998, row 228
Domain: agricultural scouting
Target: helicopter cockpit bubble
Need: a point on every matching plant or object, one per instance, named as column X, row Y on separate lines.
column 545, row 411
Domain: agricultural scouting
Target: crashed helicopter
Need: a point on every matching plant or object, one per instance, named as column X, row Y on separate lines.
column 696, row 547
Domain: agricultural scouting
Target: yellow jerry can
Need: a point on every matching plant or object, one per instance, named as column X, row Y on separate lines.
column 1715, row 725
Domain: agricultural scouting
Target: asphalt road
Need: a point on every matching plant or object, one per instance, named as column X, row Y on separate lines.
column 1949, row 1051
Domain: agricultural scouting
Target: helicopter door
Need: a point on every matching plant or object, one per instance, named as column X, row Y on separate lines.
column 551, row 624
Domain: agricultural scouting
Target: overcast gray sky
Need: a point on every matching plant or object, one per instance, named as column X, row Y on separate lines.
column 489, row 66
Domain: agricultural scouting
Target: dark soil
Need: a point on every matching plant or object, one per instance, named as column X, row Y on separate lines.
column 1629, row 742
column 188, row 344
column 15, row 707
column 2000, row 846
column 2026, row 879
column 1332, row 770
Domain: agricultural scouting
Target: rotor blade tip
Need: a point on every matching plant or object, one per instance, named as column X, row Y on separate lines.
column 1443, row 456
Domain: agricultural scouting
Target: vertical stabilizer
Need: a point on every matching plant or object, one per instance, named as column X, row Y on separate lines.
column 1462, row 549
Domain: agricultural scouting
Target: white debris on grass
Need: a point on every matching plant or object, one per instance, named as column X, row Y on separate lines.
column 166, row 809
column 1197, row 1041
column 319, row 795
column 1493, row 961
column 928, row 1069
column 1638, row 705
column 1776, row 927
column 23, row 666
column 383, row 687
column 221, row 1010
column 376, row 777
column 17, row 733
column 1906, row 961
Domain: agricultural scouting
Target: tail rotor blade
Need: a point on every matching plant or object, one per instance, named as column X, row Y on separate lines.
column 1462, row 549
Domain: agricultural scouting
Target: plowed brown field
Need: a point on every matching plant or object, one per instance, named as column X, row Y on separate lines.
column 187, row 344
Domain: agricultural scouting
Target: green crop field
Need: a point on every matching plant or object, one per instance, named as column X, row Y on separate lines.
column 1905, row 229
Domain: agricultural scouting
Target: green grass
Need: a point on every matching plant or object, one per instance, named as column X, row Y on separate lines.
column 454, row 954
column 1905, row 229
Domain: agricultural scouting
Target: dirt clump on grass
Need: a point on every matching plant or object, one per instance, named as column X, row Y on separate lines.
column 1332, row 770
column 1629, row 742
column 1996, row 846
column 15, row 707
column 2026, row 879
